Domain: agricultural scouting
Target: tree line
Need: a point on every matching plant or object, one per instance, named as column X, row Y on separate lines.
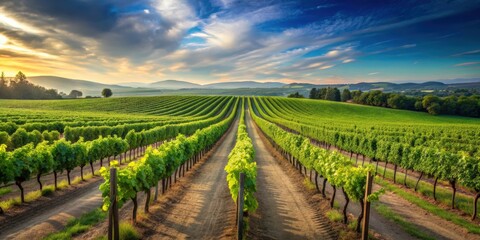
column 20, row 88
column 468, row 106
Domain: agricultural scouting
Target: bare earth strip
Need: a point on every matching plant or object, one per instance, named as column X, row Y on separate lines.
column 54, row 214
column 283, row 211
column 202, row 208
column 428, row 223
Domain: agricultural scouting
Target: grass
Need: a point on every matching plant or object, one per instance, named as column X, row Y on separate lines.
column 127, row 232
column 429, row 207
column 334, row 215
column 79, row 225
column 444, row 196
column 7, row 204
column 308, row 184
column 5, row 190
column 47, row 190
column 406, row 226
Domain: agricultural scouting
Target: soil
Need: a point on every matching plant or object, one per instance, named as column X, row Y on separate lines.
column 428, row 223
column 197, row 206
column 283, row 210
column 51, row 214
column 202, row 207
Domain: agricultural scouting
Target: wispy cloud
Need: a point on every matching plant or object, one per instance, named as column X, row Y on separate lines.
column 473, row 52
column 466, row 64
column 126, row 40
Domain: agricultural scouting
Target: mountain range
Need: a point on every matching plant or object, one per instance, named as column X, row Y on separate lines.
column 275, row 88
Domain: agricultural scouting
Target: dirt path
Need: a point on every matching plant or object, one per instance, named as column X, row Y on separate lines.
column 283, row 211
column 54, row 214
column 41, row 217
column 428, row 223
column 203, row 207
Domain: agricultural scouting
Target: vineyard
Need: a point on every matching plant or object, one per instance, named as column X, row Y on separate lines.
column 180, row 158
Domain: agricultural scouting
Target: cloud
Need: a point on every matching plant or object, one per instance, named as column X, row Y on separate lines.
column 473, row 52
column 466, row 64
column 326, row 67
column 373, row 73
column 332, row 53
column 208, row 40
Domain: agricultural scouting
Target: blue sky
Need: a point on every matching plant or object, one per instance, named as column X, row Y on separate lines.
column 226, row 40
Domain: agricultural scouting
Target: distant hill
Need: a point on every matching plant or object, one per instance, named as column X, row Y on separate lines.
column 66, row 85
column 176, row 84
column 244, row 84
column 166, row 87
column 388, row 86
column 173, row 84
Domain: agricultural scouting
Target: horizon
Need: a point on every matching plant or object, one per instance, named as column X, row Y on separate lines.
column 204, row 42
column 132, row 84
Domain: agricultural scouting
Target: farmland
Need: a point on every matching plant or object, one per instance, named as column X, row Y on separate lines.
column 178, row 160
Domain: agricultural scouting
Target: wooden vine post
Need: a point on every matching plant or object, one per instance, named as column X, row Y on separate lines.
column 366, row 212
column 240, row 206
column 113, row 228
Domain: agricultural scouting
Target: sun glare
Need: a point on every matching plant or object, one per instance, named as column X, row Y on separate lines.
column 11, row 22
column 3, row 40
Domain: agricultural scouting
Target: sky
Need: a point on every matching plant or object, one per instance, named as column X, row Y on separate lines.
column 206, row 41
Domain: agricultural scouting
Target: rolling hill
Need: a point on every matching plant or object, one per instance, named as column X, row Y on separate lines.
column 66, row 85
column 166, row 87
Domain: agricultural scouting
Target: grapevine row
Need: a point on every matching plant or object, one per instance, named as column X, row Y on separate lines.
column 440, row 162
column 241, row 160
column 160, row 164
column 332, row 166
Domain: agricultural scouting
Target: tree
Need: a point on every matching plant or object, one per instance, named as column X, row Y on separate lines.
column 468, row 106
column 322, row 93
column 418, row 105
column 107, row 92
column 313, row 93
column 295, row 95
column 449, row 105
column 346, row 95
column 434, row 109
column 3, row 86
column 432, row 104
column 333, row 94
column 20, row 88
column 398, row 101
column 20, row 77
column 75, row 94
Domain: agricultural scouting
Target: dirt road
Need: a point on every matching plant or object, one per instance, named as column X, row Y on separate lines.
column 203, row 207
column 54, row 214
column 283, row 211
